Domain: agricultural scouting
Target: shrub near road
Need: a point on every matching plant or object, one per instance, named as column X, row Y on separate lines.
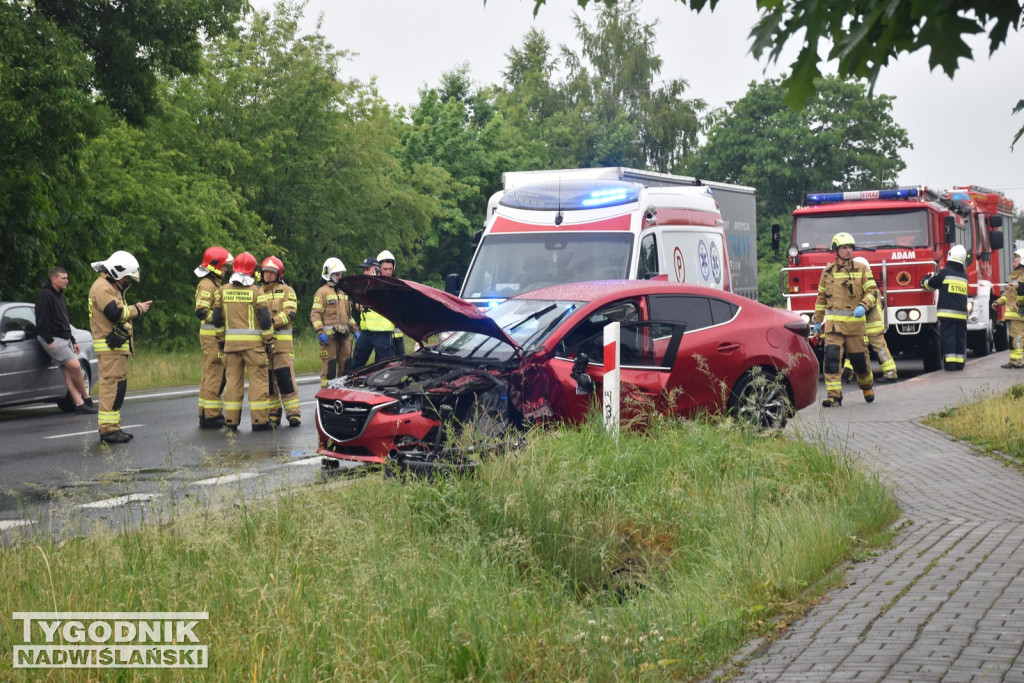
column 574, row 558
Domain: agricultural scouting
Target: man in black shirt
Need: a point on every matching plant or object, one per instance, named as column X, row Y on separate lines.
column 53, row 330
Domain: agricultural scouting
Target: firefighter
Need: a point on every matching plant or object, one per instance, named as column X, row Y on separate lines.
column 1013, row 299
column 332, row 321
column 211, row 385
column 846, row 291
column 376, row 332
column 387, row 267
column 283, row 306
column 110, row 319
column 876, row 340
column 240, row 306
column 951, row 309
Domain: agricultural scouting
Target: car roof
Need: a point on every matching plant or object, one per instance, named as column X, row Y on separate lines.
column 600, row 289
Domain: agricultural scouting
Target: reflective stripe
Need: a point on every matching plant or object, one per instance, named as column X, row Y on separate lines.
column 239, row 333
column 108, row 417
column 952, row 314
column 232, row 405
column 834, row 313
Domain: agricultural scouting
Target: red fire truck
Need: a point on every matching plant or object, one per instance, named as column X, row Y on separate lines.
column 906, row 233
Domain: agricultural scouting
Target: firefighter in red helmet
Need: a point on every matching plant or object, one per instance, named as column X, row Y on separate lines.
column 283, row 305
column 241, row 310
column 211, row 384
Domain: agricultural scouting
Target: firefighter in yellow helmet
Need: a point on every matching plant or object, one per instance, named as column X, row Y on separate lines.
column 951, row 309
column 283, row 306
column 241, row 309
column 846, row 290
column 331, row 316
column 1013, row 299
column 875, row 338
column 211, row 384
column 110, row 319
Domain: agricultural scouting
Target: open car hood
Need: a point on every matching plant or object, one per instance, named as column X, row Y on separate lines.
column 418, row 310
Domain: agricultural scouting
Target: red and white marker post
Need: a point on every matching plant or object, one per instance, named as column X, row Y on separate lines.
column 611, row 378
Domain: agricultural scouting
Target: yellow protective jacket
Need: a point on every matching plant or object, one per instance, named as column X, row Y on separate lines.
column 843, row 287
column 331, row 311
column 372, row 321
column 1010, row 298
column 107, row 310
column 243, row 312
column 873, row 320
column 283, row 305
column 206, row 292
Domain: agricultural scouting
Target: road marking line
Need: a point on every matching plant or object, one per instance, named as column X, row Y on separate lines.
column 13, row 523
column 91, row 431
column 305, row 461
column 120, row 500
column 225, row 479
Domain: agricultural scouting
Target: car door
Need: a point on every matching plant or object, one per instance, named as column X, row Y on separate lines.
column 712, row 352
column 24, row 366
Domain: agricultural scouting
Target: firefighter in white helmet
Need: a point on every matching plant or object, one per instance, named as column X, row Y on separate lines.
column 211, row 384
column 284, row 306
column 1013, row 299
column 951, row 309
column 110, row 319
column 875, row 338
column 331, row 316
column 846, row 290
column 241, row 308
column 387, row 267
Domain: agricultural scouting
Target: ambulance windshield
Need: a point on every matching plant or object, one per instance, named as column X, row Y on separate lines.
column 509, row 264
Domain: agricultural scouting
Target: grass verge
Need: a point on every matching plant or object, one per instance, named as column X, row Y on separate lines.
column 994, row 424
column 577, row 557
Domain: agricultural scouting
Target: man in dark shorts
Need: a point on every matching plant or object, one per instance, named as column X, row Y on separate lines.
column 53, row 330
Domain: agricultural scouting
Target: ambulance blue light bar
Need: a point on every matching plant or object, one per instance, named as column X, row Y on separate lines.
column 863, row 195
column 606, row 197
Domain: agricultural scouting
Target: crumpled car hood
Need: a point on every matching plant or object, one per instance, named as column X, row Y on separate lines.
column 418, row 310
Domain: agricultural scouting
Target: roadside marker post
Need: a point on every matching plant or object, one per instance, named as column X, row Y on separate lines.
column 610, row 407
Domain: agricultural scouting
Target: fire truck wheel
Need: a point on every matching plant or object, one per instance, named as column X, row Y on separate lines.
column 1001, row 338
column 930, row 350
column 980, row 342
column 761, row 399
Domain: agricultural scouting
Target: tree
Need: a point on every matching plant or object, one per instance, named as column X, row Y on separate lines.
column 841, row 139
column 866, row 35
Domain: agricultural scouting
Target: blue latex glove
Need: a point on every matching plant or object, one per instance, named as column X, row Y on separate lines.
column 859, row 311
column 323, row 338
column 357, row 336
column 817, row 329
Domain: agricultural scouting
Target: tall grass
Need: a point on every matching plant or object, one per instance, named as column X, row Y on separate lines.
column 995, row 423
column 576, row 557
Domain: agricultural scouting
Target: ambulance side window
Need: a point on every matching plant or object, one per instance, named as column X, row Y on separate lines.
column 648, row 257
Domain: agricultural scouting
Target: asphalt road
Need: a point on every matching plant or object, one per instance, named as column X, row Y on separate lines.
column 55, row 474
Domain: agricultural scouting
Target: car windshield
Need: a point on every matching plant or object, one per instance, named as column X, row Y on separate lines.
column 869, row 230
column 528, row 322
column 510, row 264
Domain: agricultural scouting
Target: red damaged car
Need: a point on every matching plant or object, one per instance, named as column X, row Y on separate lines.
column 685, row 349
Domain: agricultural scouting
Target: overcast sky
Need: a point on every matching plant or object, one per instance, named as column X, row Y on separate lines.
column 961, row 129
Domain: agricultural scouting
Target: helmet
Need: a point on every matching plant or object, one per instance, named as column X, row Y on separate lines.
column 841, row 239
column 861, row 259
column 385, row 256
column 214, row 260
column 275, row 264
column 1019, row 254
column 245, row 264
column 332, row 266
column 120, row 264
column 369, row 262
column 958, row 254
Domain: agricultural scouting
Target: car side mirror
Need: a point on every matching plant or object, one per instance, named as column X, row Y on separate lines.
column 584, row 382
column 13, row 336
column 995, row 238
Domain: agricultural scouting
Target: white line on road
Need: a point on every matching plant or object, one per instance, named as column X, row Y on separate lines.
column 120, row 500
column 91, row 431
column 13, row 523
column 225, row 479
column 315, row 460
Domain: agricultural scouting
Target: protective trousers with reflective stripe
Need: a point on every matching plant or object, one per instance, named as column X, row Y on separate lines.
column 211, row 384
column 284, row 364
column 851, row 346
column 236, row 363
column 333, row 356
column 1016, row 330
column 113, row 369
column 953, row 331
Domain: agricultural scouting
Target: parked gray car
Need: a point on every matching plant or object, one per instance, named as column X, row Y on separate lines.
column 27, row 374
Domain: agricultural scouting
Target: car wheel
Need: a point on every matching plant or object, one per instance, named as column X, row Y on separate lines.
column 760, row 399
column 67, row 404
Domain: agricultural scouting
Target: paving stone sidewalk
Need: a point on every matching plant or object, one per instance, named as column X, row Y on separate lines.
column 946, row 602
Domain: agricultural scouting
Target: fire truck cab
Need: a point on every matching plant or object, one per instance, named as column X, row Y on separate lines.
column 904, row 233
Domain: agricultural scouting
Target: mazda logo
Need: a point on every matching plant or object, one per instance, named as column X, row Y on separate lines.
column 338, row 408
